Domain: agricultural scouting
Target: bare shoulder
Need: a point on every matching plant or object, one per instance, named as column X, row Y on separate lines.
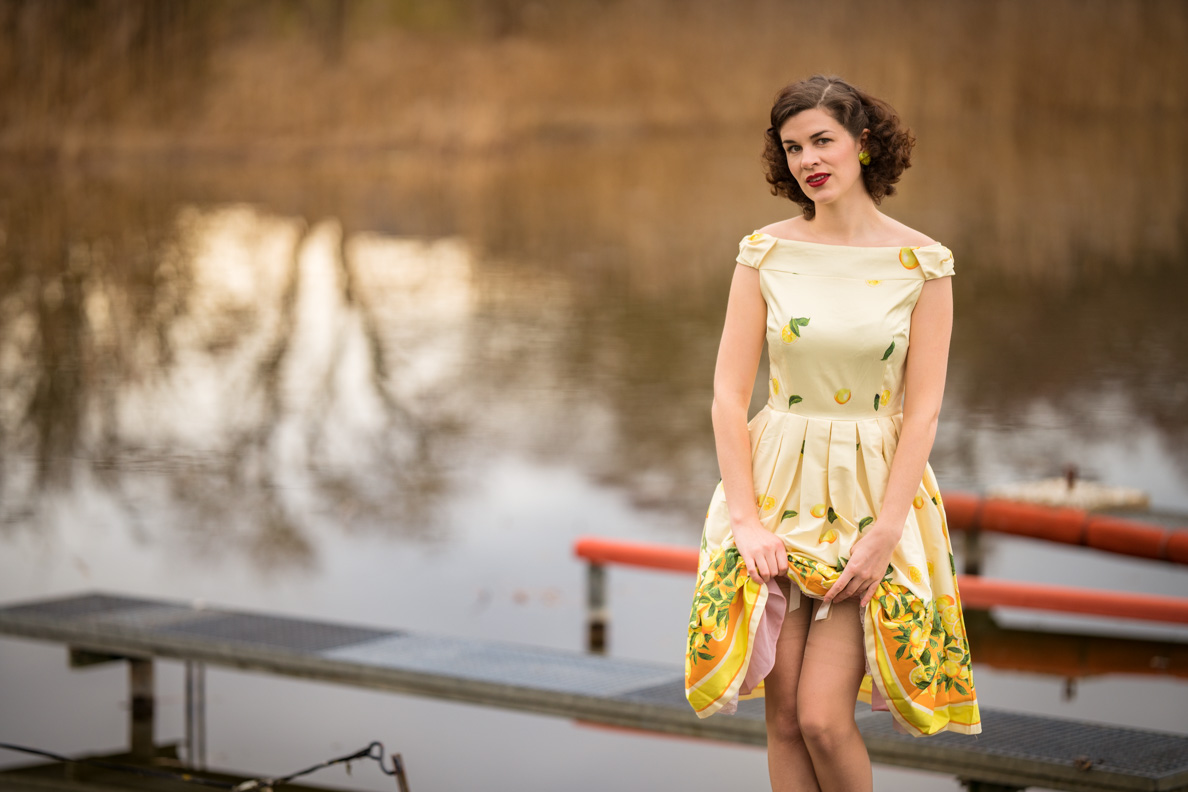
column 908, row 236
column 792, row 228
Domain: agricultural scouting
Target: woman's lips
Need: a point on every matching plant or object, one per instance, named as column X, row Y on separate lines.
column 817, row 179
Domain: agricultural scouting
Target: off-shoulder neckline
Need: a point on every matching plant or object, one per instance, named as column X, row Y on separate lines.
column 848, row 247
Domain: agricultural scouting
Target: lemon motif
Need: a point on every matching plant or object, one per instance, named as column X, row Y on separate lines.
column 950, row 616
column 755, row 237
column 914, row 574
column 931, row 574
column 907, row 257
column 791, row 330
column 829, row 537
column 918, row 676
column 944, row 601
column 951, row 668
column 775, row 386
column 873, row 282
column 842, row 396
column 719, row 632
column 918, row 501
column 918, row 640
column 765, row 504
column 885, row 396
column 818, row 510
column 955, row 654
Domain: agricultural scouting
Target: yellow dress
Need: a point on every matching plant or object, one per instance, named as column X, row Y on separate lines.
column 838, row 327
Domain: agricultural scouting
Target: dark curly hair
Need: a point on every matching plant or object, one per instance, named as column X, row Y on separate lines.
column 889, row 143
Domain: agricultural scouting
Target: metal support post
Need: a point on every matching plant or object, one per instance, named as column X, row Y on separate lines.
column 596, row 612
column 196, row 714
column 140, row 694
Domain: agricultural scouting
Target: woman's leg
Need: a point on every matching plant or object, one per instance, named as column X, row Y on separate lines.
column 788, row 759
column 830, row 675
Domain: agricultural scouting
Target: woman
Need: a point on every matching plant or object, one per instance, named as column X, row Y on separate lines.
column 827, row 492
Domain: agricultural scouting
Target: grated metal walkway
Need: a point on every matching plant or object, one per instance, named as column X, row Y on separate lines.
column 1013, row 750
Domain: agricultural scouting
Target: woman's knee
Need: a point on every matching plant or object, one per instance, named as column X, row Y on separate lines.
column 824, row 730
column 783, row 724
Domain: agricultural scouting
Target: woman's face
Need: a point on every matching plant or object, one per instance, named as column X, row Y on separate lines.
column 822, row 156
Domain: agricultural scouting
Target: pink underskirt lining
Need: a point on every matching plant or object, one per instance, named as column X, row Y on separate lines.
column 764, row 648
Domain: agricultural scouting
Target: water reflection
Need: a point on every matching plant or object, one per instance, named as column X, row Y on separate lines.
column 237, row 347
column 217, row 372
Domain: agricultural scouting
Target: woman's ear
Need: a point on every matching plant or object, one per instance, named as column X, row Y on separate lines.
column 863, row 138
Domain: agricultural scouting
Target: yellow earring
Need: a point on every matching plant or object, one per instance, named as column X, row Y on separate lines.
column 864, row 157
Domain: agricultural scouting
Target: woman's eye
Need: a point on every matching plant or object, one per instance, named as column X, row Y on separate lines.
column 793, row 149
column 822, row 140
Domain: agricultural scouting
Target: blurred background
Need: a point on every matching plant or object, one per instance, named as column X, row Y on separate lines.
column 363, row 310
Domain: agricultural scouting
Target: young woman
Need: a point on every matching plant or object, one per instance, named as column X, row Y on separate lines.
column 827, row 491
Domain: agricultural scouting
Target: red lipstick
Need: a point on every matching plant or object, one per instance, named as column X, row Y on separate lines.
column 817, row 179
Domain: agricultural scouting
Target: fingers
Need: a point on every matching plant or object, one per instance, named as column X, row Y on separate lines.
column 845, row 587
column 767, row 566
column 836, row 589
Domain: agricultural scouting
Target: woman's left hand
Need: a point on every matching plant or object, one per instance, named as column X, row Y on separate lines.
column 869, row 558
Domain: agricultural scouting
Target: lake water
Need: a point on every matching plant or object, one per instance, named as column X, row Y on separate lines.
column 393, row 390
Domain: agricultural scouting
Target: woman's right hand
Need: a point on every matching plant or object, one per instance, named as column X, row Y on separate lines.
column 762, row 551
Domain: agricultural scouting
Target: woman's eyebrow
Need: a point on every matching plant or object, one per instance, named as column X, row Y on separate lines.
column 813, row 136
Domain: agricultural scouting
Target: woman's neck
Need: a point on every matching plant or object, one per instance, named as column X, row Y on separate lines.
column 855, row 221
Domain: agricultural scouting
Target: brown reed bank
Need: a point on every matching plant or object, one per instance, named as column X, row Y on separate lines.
column 282, row 78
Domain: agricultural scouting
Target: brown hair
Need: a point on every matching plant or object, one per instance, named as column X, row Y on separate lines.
column 889, row 143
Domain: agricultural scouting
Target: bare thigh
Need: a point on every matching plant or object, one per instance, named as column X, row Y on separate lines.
column 832, row 668
column 781, row 684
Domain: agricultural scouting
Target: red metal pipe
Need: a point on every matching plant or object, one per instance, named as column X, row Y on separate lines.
column 976, row 592
column 981, row 593
column 967, row 512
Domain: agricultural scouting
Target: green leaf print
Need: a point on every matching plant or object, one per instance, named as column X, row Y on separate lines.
column 788, row 514
column 891, row 569
column 796, row 400
column 876, row 402
column 952, row 565
column 960, row 689
column 865, row 522
column 831, row 514
column 890, row 349
column 802, row 442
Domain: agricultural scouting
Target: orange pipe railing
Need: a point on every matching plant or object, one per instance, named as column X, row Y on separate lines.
column 976, row 592
column 967, row 512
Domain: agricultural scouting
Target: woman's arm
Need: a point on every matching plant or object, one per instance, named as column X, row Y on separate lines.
column 924, row 387
column 734, row 378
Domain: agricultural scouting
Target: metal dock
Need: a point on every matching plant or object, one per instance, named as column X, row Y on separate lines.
column 1014, row 751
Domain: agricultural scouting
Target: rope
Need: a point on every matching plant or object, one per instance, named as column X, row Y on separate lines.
column 373, row 751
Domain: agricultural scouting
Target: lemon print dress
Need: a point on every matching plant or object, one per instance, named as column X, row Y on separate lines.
column 838, row 329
